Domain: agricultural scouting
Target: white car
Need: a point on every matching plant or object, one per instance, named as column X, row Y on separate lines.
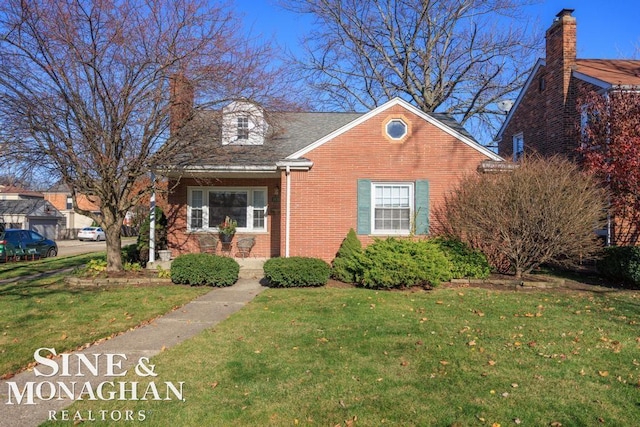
column 91, row 233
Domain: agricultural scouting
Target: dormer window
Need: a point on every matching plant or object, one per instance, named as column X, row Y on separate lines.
column 243, row 128
column 243, row 123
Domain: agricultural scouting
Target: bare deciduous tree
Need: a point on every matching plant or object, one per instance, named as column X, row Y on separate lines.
column 85, row 89
column 454, row 56
column 545, row 211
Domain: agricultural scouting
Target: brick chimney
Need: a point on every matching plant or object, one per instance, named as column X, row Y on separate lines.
column 560, row 60
column 181, row 97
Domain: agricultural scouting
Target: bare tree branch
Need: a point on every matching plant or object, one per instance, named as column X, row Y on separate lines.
column 454, row 56
column 84, row 89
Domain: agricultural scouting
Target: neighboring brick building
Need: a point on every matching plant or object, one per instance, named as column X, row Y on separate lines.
column 60, row 197
column 544, row 118
column 299, row 181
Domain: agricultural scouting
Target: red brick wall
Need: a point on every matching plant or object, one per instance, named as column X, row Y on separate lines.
column 547, row 117
column 180, row 241
column 323, row 200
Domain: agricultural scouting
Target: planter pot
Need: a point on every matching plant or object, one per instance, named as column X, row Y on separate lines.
column 164, row 255
column 226, row 238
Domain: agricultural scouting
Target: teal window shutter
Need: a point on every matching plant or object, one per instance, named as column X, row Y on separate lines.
column 422, row 207
column 364, row 206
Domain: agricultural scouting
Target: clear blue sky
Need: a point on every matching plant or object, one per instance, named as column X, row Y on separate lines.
column 606, row 29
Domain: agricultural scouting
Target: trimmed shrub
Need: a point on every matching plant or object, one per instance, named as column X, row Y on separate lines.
column 402, row 263
column 345, row 264
column 204, row 269
column 296, row 271
column 130, row 254
column 621, row 263
column 465, row 262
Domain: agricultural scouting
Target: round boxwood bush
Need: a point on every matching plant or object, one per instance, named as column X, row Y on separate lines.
column 621, row 263
column 402, row 263
column 296, row 271
column 204, row 269
column 465, row 262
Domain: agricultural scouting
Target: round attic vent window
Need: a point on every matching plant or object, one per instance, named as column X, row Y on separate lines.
column 396, row 129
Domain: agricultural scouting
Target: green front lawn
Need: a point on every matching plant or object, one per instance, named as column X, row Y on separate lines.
column 11, row 270
column 48, row 313
column 446, row 357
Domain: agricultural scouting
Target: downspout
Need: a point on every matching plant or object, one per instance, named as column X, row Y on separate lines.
column 287, row 221
column 152, row 221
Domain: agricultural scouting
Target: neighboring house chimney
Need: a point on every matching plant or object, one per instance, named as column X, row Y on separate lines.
column 560, row 60
column 181, row 99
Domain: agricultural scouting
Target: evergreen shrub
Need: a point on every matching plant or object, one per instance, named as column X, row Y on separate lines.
column 346, row 264
column 204, row 269
column 403, row 263
column 296, row 272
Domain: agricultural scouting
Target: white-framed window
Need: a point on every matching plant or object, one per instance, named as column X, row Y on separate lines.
column 396, row 129
column 392, row 206
column 243, row 127
column 69, row 203
column 518, row 146
column 209, row 206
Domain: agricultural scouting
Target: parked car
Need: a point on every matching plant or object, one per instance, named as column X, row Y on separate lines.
column 91, row 233
column 24, row 244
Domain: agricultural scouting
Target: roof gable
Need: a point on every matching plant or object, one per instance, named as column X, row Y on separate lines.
column 606, row 73
column 439, row 122
column 539, row 64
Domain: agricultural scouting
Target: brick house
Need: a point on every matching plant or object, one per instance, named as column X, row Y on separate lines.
column 28, row 210
column 298, row 182
column 60, row 197
column 545, row 116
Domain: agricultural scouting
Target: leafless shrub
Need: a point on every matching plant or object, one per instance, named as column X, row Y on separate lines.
column 545, row 211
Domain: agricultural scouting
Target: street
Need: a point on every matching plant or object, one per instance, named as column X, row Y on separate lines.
column 76, row 247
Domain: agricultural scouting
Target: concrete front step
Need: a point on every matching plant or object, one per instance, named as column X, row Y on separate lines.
column 250, row 268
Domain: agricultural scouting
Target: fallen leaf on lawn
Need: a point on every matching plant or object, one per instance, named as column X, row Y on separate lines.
column 444, row 362
column 514, row 385
column 505, row 394
column 323, row 339
column 556, row 424
column 404, row 363
column 517, row 421
column 471, row 343
column 491, row 362
column 439, row 302
column 379, row 379
column 531, row 343
column 460, row 294
column 63, row 337
column 603, row 373
column 495, row 425
column 214, row 384
column 257, row 352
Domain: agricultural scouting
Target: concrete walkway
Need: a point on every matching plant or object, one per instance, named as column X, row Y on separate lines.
column 169, row 330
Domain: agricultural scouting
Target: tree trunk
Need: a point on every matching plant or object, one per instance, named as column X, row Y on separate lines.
column 114, row 244
column 518, row 273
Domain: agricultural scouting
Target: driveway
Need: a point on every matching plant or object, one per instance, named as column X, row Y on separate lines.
column 76, row 247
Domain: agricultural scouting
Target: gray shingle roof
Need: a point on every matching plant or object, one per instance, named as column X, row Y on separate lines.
column 29, row 207
column 288, row 133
